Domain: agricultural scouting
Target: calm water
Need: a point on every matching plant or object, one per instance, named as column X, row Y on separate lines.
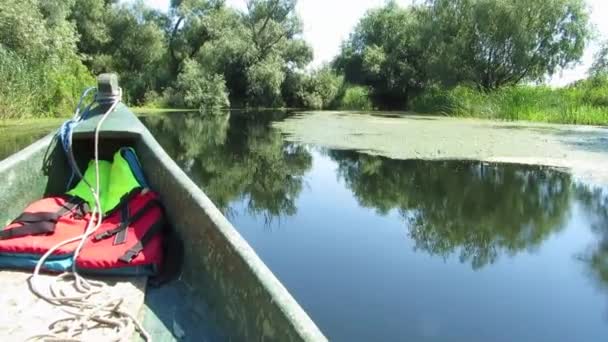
column 381, row 249
column 15, row 138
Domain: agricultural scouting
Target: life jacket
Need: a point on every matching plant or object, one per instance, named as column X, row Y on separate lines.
column 42, row 225
column 128, row 242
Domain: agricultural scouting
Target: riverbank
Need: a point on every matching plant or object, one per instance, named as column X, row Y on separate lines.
column 582, row 150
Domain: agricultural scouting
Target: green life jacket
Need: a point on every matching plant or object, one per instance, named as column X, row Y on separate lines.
column 116, row 179
column 82, row 189
column 122, row 182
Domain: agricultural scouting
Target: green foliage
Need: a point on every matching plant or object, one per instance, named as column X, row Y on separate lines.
column 202, row 51
column 254, row 50
column 583, row 103
column 271, row 24
column 496, row 43
column 318, row 89
column 264, row 82
column 126, row 39
column 325, row 85
column 385, row 52
column 40, row 69
column 21, row 82
column 196, row 87
column 600, row 62
column 400, row 53
column 355, row 98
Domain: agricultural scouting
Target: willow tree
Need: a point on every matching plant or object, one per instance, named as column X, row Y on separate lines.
column 494, row 43
column 386, row 52
column 275, row 30
column 600, row 61
column 192, row 26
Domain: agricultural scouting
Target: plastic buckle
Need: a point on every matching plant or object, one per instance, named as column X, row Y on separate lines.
column 102, row 236
column 129, row 256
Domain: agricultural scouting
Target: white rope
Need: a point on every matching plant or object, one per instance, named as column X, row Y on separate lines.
column 75, row 294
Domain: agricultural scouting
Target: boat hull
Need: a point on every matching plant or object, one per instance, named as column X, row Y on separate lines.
column 239, row 293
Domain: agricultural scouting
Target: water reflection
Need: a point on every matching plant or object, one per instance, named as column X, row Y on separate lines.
column 236, row 157
column 595, row 201
column 476, row 209
column 532, row 235
column 14, row 138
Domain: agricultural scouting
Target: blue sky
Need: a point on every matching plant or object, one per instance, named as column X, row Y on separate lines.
column 328, row 22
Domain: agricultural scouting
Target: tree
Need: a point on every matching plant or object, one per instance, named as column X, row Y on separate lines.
column 264, row 80
column 274, row 28
column 91, row 20
column 192, row 27
column 600, row 62
column 253, row 50
column 271, row 22
column 124, row 38
column 137, row 50
column 38, row 30
column 386, row 53
column 493, row 43
column 317, row 89
column 199, row 88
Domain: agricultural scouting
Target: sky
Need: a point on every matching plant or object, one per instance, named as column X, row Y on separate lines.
column 327, row 23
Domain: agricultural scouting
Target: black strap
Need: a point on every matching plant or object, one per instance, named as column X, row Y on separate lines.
column 125, row 223
column 134, row 251
column 43, row 227
column 36, row 217
column 121, row 235
column 42, row 222
column 73, row 203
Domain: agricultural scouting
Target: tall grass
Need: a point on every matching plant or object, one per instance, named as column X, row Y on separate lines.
column 37, row 89
column 585, row 102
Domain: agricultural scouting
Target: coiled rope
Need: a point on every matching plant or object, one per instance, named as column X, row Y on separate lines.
column 77, row 296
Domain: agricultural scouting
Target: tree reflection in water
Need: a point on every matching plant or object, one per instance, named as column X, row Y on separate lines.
column 595, row 200
column 479, row 210
column 236, row 157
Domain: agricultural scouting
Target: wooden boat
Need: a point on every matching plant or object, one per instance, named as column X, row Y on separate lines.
column 224, row 284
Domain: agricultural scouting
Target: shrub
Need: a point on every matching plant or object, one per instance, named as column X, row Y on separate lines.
column 355, row 98
column 264, row 82
column 198, row 88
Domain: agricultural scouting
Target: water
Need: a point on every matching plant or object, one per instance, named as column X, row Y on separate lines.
column 14, row 137
column 382, row 249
